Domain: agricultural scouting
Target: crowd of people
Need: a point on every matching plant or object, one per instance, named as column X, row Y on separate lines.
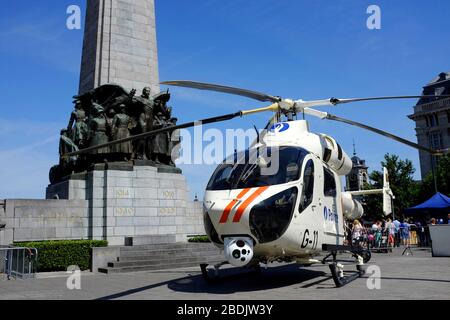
column 391, row 233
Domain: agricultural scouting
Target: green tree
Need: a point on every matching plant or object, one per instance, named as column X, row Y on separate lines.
column 401, row 181
column 442, row 179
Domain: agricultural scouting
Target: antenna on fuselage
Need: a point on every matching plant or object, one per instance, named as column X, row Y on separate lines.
column 258, row 139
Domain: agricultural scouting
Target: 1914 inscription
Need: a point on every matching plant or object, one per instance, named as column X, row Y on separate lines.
column 123, row 193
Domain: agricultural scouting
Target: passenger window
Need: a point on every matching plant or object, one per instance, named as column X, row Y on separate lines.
column 308, row 186
column 329, row 187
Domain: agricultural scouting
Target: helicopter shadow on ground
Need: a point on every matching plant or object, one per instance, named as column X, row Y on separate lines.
column 234, row 280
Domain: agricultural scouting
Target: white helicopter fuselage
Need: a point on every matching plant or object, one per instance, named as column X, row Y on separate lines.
column 286, row 216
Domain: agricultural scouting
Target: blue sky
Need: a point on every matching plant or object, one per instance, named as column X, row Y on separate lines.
column 297, row 49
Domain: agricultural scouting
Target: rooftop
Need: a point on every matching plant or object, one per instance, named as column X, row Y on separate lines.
column 437, row 87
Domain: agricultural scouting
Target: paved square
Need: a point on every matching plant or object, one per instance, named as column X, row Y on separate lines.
column 402, row 277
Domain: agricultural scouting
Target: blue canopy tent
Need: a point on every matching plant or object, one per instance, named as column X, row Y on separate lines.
column 438, row 204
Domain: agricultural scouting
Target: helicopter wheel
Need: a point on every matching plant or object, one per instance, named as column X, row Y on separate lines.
column 367, row 255
column 364, row 253
column 212, row 275
column 256, row 269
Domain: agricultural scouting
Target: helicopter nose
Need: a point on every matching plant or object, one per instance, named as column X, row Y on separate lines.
column 238, row 250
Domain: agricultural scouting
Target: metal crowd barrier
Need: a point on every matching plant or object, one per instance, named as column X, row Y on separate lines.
column 18, row 263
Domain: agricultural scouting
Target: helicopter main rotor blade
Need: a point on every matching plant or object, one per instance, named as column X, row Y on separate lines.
column 224, row 89
column 328, row 116
column 226, row 117
column 299, row 104
column 335, row 101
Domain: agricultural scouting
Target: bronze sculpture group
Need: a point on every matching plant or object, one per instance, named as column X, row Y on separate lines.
column 110, row 113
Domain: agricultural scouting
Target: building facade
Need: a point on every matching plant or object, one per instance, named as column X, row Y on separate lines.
column 359, row 175
column 432, row 118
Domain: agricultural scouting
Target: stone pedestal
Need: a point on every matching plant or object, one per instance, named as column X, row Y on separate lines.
column 135, row 201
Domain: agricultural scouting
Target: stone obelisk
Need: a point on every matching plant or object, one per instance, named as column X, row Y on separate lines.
column 120, row 45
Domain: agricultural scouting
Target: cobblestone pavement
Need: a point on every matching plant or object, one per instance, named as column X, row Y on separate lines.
column 417, row 276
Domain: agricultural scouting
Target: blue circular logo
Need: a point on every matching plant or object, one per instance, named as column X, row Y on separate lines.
column 280, row 127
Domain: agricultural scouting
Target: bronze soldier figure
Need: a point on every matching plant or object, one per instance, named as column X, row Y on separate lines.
column 162, row 142
column 120, row 128
column 109, row 112
column 79, row 132
column 143, row 148
column 98, row 132
column 160, row 145
column 109, row 117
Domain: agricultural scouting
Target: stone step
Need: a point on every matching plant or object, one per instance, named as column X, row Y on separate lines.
column 110, row 270
column 167, row 246
column 167, row 252
column 164, row 255
column 152, row 251
column 168, row 262
column 150, row 240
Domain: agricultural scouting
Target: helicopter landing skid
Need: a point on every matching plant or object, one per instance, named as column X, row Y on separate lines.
column 211, row 273
column 337, row 269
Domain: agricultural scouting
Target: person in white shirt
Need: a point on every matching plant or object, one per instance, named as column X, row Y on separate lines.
column 397, row 232
column 357, row 232
column 390, row 227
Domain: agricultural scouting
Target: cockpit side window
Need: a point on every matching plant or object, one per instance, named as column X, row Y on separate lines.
column 329, row 185
column 308, row 186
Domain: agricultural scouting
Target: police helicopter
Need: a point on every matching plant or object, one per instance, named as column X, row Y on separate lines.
column 282, row 200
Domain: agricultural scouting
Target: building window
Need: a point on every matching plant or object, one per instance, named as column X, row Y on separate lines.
column 364, row 179
column 432, row 121
column 439, row 91
column 436, row 140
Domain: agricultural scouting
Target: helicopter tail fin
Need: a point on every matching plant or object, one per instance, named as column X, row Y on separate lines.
column 388, row 196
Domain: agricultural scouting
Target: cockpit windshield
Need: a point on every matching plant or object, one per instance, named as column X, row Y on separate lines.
column 258, row 167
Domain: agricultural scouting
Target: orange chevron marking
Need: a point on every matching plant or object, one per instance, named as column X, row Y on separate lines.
column 230, row 206
column 247, row 202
